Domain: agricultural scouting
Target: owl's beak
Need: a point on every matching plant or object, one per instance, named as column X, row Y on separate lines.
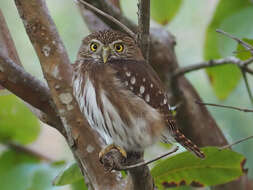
column 105, row 53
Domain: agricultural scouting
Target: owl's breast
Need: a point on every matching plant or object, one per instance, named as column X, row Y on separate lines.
column 116, row 113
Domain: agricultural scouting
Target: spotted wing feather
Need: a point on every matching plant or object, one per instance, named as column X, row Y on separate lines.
column 143, row 81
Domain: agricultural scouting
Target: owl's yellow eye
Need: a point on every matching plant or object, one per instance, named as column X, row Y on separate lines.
column 119, row 47
column 94, row 46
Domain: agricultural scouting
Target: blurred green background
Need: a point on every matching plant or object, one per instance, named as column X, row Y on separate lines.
column 189, row 26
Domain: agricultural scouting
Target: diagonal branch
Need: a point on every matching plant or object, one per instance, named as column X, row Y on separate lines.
column 223, row 106
column 25, row 86
column 214, row 63
column 239, row 41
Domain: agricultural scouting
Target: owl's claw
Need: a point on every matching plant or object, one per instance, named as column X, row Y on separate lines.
column 108, row 148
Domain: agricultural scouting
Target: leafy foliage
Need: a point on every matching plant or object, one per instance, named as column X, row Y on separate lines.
column 228, row 12
column 186, row 169
column 25, row 172
column 17, row 123
column 69, row 175
column 163, row 11
column 242, row 52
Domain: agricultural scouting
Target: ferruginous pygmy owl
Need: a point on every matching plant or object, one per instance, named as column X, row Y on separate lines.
column 121, row 95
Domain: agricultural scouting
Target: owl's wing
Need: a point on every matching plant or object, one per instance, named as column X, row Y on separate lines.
column 143, row 81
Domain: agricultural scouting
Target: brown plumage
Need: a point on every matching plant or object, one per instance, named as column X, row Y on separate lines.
column 121, row 96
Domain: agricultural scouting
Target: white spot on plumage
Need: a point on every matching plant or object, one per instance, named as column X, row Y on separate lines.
column 147, row 98
column 142, row 89
column 151, row 85
column 165, row 101
column 144, row 79
column 126, row 83
column 133, row 80
column 128, row 73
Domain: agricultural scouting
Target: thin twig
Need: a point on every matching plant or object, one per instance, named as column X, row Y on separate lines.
column 245, row 78
column 23, row 149
column 236, row 142
column 243, row 43
column 214, row 63
column 223, row 106
column 124, row 27
column 144, row 163
column 143, row 27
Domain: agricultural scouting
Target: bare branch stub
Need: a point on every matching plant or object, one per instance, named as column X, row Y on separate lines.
column 224, row 106
column 143, row 38
column 57, row 70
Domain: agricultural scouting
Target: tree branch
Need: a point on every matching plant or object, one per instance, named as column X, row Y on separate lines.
column 109, row 17
column 214, row 63
column 223, row 106
column 143, row 27
column 239, row 41
column 29, row 151
column 25, row 86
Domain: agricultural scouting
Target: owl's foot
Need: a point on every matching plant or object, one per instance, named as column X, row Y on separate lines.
column 108, row 148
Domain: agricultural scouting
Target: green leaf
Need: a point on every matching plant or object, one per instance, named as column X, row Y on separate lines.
column 69, row 175
column 163, row 11
column 186, row 169
column 24, row 172
column 17, row 123
column 79, row 185
column 241, row 52
column 231, row 16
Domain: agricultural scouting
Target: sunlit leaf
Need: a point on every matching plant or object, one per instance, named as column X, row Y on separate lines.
column 17, row 123
column 69, row 175
column 186, row 169
column 241, row 52
column 228, row 12
column 163, row 11
column 79, row 185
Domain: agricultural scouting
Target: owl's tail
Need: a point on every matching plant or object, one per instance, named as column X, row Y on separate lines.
column 183, row 140
column 188, row 144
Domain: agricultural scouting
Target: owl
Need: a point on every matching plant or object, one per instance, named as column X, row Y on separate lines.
column 121, row 96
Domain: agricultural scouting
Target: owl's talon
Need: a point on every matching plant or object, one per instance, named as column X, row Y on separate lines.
column 108, row 148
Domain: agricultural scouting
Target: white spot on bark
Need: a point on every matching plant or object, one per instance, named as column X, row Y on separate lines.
column 144, row 79
column 69, row 107
column 133, row 80
column 90, row 148
column 128, row 74
column 66, row 98
column 55, row 72
column 151, row 85
column 53, row 42
column 147, row 98
column 126, row 83
column 46, row 50
column 61, row 111
column 57, row 86
column 142, row 89
column 131, row 88
column 164, row 101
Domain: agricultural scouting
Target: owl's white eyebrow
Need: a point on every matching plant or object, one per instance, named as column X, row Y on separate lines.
column 97, row 41
column 117, row 41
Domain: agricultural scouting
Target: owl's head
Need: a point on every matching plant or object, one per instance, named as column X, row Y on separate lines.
column 104, row 46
